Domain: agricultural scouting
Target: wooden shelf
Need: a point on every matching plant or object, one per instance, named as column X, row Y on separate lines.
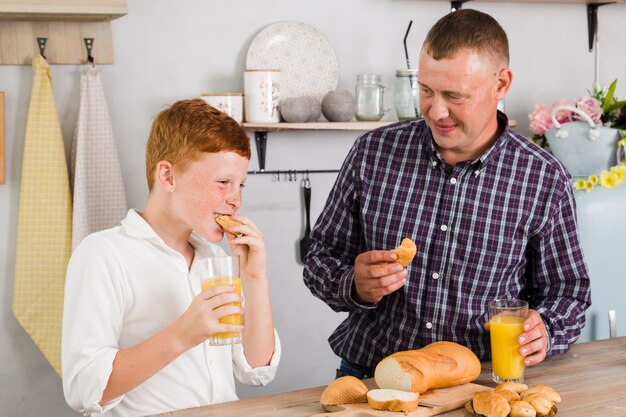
column 64, row 23
column 278, row 127
column 66, row 10
column 544, row 1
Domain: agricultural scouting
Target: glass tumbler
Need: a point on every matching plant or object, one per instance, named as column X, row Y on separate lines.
column 369, row 97
column 406, row 94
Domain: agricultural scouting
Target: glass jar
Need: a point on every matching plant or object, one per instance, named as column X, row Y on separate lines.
column 369, row 97
column 406, row 94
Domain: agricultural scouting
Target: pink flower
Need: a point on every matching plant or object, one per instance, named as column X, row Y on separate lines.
column 591, row 106
column 563, row 116
column 540, row 119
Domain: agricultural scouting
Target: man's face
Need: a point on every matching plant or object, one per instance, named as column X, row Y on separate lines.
column 458, row 98
column 208, row 186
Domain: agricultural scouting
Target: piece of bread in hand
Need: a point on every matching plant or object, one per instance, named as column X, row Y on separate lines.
column 225, row 221
column 392, row 400
column 490, row 404
column 344, row 390
column 437, row 365
column 406, row 252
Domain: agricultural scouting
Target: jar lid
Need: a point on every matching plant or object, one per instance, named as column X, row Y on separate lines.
column 406, row 73
column 369, row 78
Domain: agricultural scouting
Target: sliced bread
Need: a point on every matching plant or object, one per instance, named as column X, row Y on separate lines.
column 392, row 400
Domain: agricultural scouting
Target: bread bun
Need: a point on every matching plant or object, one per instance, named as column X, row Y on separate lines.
column 438, row 365
column 545, row 390
column 392, row 400
column 406, row 252
column 521, row 408
column 541, row 404
column 225, row 221
column 490, row 404
column 508, row 395
column 512, row 386
column 344, row 390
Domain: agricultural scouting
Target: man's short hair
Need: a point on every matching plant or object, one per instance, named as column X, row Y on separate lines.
column 188, row 128
column 467, row 29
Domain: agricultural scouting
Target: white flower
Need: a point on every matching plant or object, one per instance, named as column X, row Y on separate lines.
column 562, row 133
column 593, row 134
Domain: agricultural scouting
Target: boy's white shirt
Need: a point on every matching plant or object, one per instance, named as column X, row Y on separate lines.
column 123, row 286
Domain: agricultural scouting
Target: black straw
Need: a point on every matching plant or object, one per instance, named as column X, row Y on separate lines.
column 406, row 52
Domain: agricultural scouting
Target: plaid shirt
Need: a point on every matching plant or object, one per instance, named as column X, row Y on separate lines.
column 503, row 225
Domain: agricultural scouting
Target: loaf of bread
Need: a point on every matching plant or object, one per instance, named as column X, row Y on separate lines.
column 406, row 252
column 392, row 400
column 344, row 390
column 438, row 365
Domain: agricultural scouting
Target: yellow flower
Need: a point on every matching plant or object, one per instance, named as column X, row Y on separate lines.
column 608, row 179
column 620, row 172
column 588, row 186
column 580, row 184
column 593, row 179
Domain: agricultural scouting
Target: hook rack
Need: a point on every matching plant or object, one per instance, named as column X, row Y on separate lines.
column 41, row 42
column 457, row 5
column 89, row 47
column 292, row 174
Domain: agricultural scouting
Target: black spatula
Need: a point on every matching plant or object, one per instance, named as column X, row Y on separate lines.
column 305, row 242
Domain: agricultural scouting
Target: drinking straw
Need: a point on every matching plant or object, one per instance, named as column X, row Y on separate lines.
column 406, row 52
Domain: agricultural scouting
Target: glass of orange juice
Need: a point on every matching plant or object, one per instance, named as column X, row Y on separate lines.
column 222, row 270
column 506, row 319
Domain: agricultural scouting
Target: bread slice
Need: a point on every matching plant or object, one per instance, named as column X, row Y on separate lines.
column 406, row 252
column 392, row 400
column 344, row 390
column 438, row 365
column 225, row 221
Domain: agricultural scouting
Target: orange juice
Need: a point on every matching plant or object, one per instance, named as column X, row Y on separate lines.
column 233, row 318
column 506, row 360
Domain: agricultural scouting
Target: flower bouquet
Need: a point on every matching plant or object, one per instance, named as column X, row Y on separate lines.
column 586, row 135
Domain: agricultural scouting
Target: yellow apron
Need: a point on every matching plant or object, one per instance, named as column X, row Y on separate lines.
column 44, row 232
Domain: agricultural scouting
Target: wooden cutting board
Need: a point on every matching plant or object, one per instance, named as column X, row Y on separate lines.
column 446, row 398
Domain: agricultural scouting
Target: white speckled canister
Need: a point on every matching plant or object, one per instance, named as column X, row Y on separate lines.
column 261, row 95
column 229, row 103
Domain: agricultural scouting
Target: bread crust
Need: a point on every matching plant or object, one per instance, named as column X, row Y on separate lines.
column 344, row 390
column 225, row 221
column 394, row 402
column 491, row 404
column 406, row 252
column 438, row 365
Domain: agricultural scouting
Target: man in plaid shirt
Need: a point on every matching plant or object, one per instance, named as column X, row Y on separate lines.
column 492, row 214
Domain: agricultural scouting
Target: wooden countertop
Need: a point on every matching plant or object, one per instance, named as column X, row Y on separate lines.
column 591, row 379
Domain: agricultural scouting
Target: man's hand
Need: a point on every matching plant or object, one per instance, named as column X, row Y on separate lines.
column 534, row 341
column 376, row 274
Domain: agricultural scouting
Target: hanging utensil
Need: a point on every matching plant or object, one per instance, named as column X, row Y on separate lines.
column 305, row 242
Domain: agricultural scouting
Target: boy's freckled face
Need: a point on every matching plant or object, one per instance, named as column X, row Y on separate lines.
column 212, row 184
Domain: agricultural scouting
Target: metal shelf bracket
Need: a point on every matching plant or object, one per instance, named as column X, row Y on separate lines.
column 457, row 5
column 260, row 139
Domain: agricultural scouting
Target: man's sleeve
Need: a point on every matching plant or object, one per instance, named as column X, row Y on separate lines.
column 561, row 287
column 336, row 239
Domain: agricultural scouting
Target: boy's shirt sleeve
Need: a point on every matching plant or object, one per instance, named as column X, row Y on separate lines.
column 261, row 375
column 92, row 317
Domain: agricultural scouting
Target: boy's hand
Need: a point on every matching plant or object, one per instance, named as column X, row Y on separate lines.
column 249, row 245
column 201, row 319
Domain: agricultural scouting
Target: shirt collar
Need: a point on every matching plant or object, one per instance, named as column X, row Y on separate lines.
column 136, row 226
column 503, row 123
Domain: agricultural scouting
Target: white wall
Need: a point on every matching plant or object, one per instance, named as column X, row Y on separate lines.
column 166, row 50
